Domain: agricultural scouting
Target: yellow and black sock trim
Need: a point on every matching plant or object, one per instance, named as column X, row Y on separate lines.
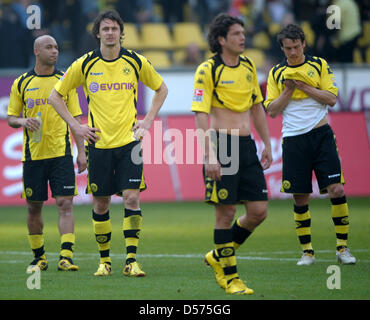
column 223, row 239
column 67, row 242
column 103, row 232
column 132, row 224
column 339, row 210
column 302, row 220
column 36, row 242
column 240, row 234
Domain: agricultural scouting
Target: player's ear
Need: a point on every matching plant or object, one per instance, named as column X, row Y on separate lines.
column 221, row 40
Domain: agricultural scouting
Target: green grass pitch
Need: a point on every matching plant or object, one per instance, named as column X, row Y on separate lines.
column 174, row 239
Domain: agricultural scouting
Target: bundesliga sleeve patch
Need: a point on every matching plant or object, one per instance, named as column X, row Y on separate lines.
column 198, row 95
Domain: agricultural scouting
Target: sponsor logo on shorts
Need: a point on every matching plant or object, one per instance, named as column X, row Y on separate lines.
column 29, row 192
column 334, row 175
column 223, row 194
column 93, row 187
column 68, row 187
column 134, row 180
column 286, row 184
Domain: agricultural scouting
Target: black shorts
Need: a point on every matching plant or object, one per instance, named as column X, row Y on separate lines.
column 110, row 171
column 58, row 172
column 247, row 183
column 313, row 151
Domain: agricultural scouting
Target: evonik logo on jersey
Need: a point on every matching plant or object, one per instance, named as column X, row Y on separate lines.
column 95, row 87
column 38, row 102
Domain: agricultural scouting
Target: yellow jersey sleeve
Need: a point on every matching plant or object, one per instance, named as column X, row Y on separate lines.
column 328, row 79
column 148, row 75
column 272, row 91
column 203, row 88
column 72, row 78
column 15, row 105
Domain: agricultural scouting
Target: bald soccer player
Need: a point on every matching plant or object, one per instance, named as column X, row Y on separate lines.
column 47, row 159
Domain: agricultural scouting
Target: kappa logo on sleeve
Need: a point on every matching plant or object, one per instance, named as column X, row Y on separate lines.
column 198, row 95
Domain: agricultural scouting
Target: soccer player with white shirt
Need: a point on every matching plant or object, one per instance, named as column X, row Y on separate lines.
column 301, row 88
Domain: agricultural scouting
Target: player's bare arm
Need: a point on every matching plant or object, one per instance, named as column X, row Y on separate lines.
column 81, row 156
column 29, row 123
column 142, row 126
column 79, row 131
column 260, row 123
column 322, row 96
column 211, row 166
column 278, row 105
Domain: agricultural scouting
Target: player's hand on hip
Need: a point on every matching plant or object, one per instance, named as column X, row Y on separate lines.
column 140, row 129
column 213, row 171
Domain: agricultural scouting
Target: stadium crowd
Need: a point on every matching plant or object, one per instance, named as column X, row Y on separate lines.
column 69, row 22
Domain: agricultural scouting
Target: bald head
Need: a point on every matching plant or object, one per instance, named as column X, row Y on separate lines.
column 42, row 40
column 46, row 51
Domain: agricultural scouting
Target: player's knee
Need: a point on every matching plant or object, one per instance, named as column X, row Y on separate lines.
column 131, row 200
column 34, row 208
column 64, row 204
column 225, row 216
column 336, row 190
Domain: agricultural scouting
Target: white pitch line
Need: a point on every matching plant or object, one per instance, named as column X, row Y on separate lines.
column 89, row 256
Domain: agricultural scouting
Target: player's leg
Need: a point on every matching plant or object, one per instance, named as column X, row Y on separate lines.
column 100, row 184
column 340, row 216
column 66, row 230
column 62, row 181
column 132, row 223
column 35, row 235
column 252, row 191
column 297, row 180
column 302, row 219
column 129, row 182
column 103, row 231
column 330, row 179
column 223, row 239
column 35, row 191
column 245, row 225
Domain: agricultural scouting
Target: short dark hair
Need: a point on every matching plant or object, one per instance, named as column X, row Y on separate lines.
column 292, row 32
column 110, row 14
column 219, row 27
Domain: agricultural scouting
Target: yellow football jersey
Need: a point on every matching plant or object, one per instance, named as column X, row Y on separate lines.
column 111, row 92
column 220, row 86
column 29, row 95
column 314, row 71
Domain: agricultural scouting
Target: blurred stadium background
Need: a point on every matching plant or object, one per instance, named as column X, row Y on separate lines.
column 172, row 34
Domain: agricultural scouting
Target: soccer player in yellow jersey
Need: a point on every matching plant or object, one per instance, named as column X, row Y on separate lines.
column 301, row 88
column 109, row 76
column 48, row 159
column 226, row 90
